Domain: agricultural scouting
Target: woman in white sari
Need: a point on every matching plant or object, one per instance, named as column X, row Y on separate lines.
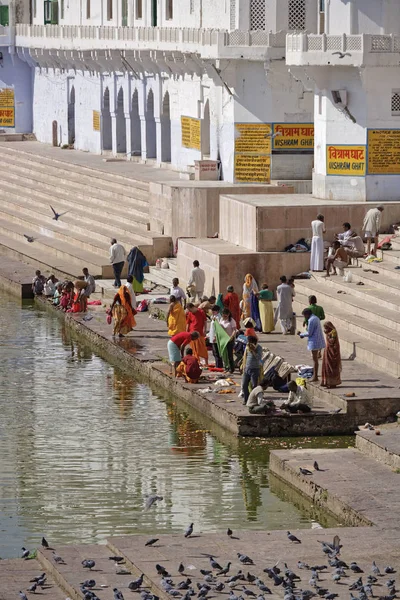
column 250, row 286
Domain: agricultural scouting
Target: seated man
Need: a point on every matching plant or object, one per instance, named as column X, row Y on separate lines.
column 189, row 368
column 339, row 260
column 354, row 246
column 298, row 399
column 343, row 237
column 256, row 403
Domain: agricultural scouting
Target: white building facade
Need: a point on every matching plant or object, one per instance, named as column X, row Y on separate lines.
column 354, row 68
column 169, row 81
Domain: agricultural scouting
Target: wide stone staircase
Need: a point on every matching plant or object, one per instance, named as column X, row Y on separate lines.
column 99, row 205
column 366, row 311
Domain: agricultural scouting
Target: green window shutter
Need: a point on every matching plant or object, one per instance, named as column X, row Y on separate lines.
column 4, row 20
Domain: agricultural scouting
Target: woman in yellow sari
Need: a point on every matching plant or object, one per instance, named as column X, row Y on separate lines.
column 249, row 287
column 122, row 312
column 176, row 317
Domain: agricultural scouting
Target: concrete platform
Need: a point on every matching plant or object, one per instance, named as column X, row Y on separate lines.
column 16, row 277
column 384, row 448
column 266, row 549
column 354, row 487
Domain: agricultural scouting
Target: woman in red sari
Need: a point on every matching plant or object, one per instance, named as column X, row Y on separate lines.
column 196, row 321
column 122, row 312
column 331, row 362
column 232, row 302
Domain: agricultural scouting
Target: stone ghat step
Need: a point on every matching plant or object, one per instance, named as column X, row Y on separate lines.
column 377, row 297
column 354, row 487
column 37, row 166
column 385, row 448
column 369, row 310
column 56, row 249
column 96, row 217
column 73, row 167
column 15, row 576
column 386, row 279
column 354, row 342
column 122, row 211
column 43, row 259
column 52, row 183
column 57, row 231
column 162, row 276
column 92, row 236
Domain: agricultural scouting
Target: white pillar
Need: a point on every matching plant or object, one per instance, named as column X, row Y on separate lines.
column 128, row 135
column 114, row 132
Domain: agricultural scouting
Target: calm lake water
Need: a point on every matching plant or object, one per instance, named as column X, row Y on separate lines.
column 82, row 443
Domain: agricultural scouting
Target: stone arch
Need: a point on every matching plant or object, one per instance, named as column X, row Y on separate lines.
column 151, row 138
column 106, row 130
column 166, row 129
column 136, row 135
column 71, row 116
column 205, row 130
column 120, row 123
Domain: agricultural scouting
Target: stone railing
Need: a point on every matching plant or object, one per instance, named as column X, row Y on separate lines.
column 301, row 42
column 150, row 36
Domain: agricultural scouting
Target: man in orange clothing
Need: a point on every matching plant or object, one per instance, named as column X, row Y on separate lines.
column 232, row 302
column 196, row 321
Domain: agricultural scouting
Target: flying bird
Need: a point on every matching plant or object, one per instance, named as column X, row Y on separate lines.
column 152, row 499
column 341, row 54
column 56, row 214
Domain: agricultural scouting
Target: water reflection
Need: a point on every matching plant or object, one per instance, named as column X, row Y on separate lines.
column 81, row 444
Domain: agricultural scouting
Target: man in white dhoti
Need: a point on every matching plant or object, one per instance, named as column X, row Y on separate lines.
column 196, row 282
column 284, row 310
column 317, row 244
column 371, row 226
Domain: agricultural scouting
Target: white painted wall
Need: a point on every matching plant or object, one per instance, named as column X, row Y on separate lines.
column 369, row 101
column 363, row 16
column 16, row 74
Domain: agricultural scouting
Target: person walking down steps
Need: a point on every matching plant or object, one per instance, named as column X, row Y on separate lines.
column 197, row 282
column 117, row 259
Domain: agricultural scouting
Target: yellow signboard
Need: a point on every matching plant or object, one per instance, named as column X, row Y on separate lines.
column 346, row 160
column 7, row 110
column 293, row 136
column 7, row 98
column 254, row 168
column 191, row 133
column 96, row 120
column 253, row 137
column 384, row 151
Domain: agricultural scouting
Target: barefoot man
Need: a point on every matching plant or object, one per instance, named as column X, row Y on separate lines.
column 315, row 336
column 338, row 260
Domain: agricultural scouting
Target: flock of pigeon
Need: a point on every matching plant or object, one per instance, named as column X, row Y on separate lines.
column 218, row 579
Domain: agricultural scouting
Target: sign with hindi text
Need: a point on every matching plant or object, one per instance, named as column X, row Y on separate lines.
column 7, row 107
column 346, row 160
column 191, row 133
column 384, row 151
column 253, row 137
column 252, row 168
column 96, row 120
column 293, row 136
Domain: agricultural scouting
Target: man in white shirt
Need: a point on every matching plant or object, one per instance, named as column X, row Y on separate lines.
column 197, row 282
column 256, row 402
column 91, row 284
column 128, row 285
column 215, row 316
column 354, row 246
column 371, row 226
column 298, row 400
column 177, row 291
column 347, row 232
column 117, row 259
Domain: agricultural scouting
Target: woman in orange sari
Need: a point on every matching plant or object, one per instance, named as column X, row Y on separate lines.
column 331, row 361
column 122, row 312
